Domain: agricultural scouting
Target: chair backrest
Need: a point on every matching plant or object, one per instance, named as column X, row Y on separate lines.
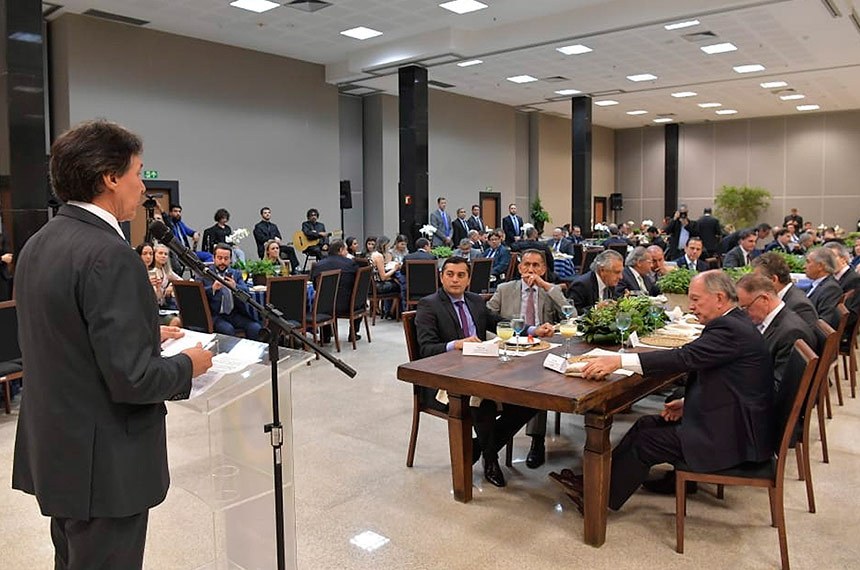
column 713, row 262
column 849, row 333
column 408, row 319
column 325, row 296
column 481, row 269
column 193, row 305
column 620, row 248
column 512, row 271
column 577, row 255
column 290, row 296
column 360, row 289
column 421, row 278
column 588, row 256
column 9, row 347
column 793, row 391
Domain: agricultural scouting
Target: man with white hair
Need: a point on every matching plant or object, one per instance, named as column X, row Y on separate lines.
column 637, row 274
column 598, row 283
column 825, row 291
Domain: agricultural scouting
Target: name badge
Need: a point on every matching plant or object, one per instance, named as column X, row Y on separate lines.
column 556, row 363
column 489, row 348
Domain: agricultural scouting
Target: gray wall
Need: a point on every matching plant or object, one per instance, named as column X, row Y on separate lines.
column 805, row 161
column 352, row 162
column 239, row 129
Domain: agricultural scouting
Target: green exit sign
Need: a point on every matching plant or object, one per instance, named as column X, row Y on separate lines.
column 150, row 174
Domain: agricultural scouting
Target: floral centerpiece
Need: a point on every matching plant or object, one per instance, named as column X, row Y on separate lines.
column 237, row 236
column 598, row 323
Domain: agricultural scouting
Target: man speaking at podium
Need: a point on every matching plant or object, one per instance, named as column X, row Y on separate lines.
column 91, row 441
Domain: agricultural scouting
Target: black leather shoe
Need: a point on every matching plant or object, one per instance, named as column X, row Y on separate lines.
column 476, row 450
column 666, row 485
column 357, row 337
column 493, row 472
column 537, row 453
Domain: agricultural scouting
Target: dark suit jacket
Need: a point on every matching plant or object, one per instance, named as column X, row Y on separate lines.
column 419, row 255
column 628, row 283
column 508, row 227
column 437, row 324
column 700, row 264
column 710, row 231
column 566, row 245
column 214, row 235
column 347, row 279
column 215, row 297
column 785, row 328
column 776, row 246
column 796, row 300
column 735, row 257
column 5, row 273
column 673, row 230
column 91, row 434
column 824, row 298
column 501, row 259
column 263, row 232
column 476, row 224
column 851, row 282
column 728, row 408
column 583, row 291
column 460, row 232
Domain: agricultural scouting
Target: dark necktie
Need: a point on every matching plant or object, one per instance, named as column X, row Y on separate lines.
column 607, row 293
column 516, row 223
column 464, row 322
column 491, row 253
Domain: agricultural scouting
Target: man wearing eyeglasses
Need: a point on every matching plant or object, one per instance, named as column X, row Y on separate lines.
column 779, row 325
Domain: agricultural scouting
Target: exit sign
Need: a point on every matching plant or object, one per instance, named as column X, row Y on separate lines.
column 150, row 174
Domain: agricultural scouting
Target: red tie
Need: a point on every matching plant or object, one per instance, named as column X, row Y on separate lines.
column 530, row 307
column 464, row 322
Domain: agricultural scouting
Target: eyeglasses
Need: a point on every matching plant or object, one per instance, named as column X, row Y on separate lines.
column 744, row 308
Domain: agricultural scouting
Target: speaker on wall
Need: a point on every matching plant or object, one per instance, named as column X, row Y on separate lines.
column 616, row 202
column 345, row 195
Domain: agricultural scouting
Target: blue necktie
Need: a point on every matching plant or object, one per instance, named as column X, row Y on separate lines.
column 516, row 225
column 445, row 221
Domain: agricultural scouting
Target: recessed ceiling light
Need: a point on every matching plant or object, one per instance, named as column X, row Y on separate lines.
column 663, row 120
column 522, row 79
column 710, row 105
column 637, row 112
column 680, row 25
column 361, row 33
column 470, row 63
column 605, row 103
column 568, row 92
column 792, row 97
column 369, row 540
column 773, row 84
column 577, row 49
column 258, row 6
column 726, row 112
column 463, row 6
column 681, row 94
column 719, row 48
column 808, row 107
column 753, row 67
column 642, row 77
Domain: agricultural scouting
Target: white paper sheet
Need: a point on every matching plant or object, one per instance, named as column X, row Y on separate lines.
column 174, row 346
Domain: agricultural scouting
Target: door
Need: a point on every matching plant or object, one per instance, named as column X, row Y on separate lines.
column 164, row 193
column 490, row 208
column 599, row 212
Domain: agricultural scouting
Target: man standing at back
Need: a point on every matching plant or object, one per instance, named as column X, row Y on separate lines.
column 512, row 224
column 91, row 442
column 475, row 221
column 461, row 227
column 710, row 231
column 442, row 222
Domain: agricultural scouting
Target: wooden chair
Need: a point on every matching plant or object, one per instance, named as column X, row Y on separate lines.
column 577, row 257
column 193, row 306
column 358, row 302
column 713, row 262
column 769, row 474
column 290, row 296
column 11, row 366
column 511, row 272
column 421, row 279
column 843, row 324
column 621, row 249
column 848, row 352
column 481, row 269
column 588, row 256
column 376, row 298
column 325, row 299
column 423, row 398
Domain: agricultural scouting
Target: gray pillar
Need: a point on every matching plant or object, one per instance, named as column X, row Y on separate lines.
column 581, row 164
column 412, row 191
column 670, row 190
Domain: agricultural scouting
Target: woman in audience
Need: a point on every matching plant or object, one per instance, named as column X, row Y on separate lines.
column 146, row 251
column 166, row 276
column 855, row 263
column 400, row 249
column 147, row 255
column 369, row 246
column 352, row 247
column 273, row 254
column 384, row 272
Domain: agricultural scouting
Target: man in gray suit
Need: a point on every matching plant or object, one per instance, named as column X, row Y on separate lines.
column 91, row 441
column 539, row 302
column 442, row 222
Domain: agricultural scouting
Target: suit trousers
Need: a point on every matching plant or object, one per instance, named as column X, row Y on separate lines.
column 99, row 543
column 537, row 425
column 651, row 441
column 227, row 324
column 494, row 429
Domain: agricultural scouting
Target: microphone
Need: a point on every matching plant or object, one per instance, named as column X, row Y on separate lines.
column 161, row 232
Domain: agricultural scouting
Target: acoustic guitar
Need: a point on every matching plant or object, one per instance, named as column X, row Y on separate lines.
column 301, row 241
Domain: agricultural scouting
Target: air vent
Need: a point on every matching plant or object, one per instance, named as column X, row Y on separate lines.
column 700, row 36
column 115, row 17
column 555, row 79
column 832, row 8
column 665, row 114
column 439, row 84
column 308, row 5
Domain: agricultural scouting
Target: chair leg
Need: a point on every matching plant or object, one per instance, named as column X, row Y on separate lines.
column 334, row 333
column 852, row 359
column 7, row 391
column 838, row 385
column 367, row 327
column 771, row 492
column 807, row 470
column 509, row 453
column 825, row 388
column 822, row 431
column 413, row 435
column 798, row 453
column 558, row 423
column 721, row 491
column 374, row 306
column 779, row 510
column 680, row 511
column 352, row 332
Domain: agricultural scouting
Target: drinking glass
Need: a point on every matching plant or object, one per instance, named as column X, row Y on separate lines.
column 567, row 310
column 504, row 331
column 622, row 321
column 568, row 331
column 518, row 323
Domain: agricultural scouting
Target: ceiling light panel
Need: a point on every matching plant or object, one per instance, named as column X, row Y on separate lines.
column 463, row 6
column 606, row 103
column 522, row 79
column 470, row 63
column 258, row 6
column 682, row 25
column 682, row 94
column 576, row 49
column 792, row 97
column 719, row 48
column 568, row 92
column 637, row 112
column 749, row 68
column 710, row 105
column 662, row 120
column 727, row 112
column 773, row 84
column 361, row 33
column 808, row 107
column 642, row 77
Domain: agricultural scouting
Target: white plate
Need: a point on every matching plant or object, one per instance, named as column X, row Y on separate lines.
column 258, row 288
column 523, row 341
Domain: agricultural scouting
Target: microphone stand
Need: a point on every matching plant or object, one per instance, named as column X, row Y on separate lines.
column 277, row 325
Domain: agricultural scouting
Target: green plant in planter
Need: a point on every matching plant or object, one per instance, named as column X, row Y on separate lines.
column 240, row 265
column 598, row 324
column 442, row 251
column 677, row 281
column 538, row 215
column 737, row 272
column 741, row 205
column 851, row 239
column 796, row 263
column 261, row 268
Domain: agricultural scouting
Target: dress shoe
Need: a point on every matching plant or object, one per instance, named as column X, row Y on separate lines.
column 493, row 472
column 476, row 450
column 537, row 453
column 666, row 485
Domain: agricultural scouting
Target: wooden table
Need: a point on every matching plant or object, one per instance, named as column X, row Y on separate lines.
column 524, row 381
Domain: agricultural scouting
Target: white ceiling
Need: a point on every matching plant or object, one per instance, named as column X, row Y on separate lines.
column 798, row 41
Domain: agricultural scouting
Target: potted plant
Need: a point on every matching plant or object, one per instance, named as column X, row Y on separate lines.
column 741, row 205
column 538, row 215
column 598, row 324
column 675, row 285
column 260, row 269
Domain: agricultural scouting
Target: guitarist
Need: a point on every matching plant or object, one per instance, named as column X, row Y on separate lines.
column 314, row 231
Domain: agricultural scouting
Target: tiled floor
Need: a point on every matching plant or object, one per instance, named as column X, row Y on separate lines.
column 350, row 440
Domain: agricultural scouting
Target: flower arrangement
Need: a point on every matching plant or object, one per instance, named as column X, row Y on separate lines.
column 427, row 230
column 601, row 230
column 598, row 323
column 677, row 281
column 238, row 235
column 737, row 272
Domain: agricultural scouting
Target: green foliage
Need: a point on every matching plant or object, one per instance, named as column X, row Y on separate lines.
column 442, row 251
column 261, row 267
column 851, row 240
column 240, row 265
column 598, row 323
column 737, row 272
column 796, row 263
column 741, row 205
column 537, row 213
column 677, row 281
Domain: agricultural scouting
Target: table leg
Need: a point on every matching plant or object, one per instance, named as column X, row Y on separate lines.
column 460, row 444
column 597, row 462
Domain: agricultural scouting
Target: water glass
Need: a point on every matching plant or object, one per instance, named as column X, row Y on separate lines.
column 504, row 331
column 622, row 321
column 518, row 323
column 567, row 310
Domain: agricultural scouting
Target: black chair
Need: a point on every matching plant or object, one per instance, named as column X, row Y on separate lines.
column 193, row 306
column 770, row 474
column 325, row 299
column 588, row 256
column 622, row 249
column 358, row 303
column 512, row 272
column 290, row 296
column 481, row 269
column 377, row 297
column 577, row 257
column 421, row 279
column 11, row 366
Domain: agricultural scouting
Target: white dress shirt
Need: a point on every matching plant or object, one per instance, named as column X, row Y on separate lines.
column 769, row 318
column 101, row 213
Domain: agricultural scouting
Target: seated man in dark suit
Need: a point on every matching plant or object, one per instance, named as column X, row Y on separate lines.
column 781, row 242
column 444, row 321
column 560, row 244
column 228, row 314
column 743, row 253
column 615, row 237
column 692, row 258
column 825, row 292
column 637, row 274
column 314, row 230
column 337, row 259
column 654, row 238
column 422, row 252
column 597, row 284
column 849, row 280
column 729, row 363
column 774, row 267
column 499, row 253
column 779, row 325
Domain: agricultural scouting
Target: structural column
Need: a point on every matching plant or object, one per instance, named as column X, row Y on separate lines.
column 581, row 164
column 412, row 192
column 670, row 191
